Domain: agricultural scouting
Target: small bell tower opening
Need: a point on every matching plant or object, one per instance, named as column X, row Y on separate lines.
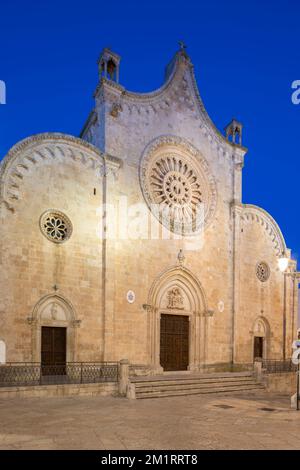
column 109, row 65
column 234, row 132
column 111, row 69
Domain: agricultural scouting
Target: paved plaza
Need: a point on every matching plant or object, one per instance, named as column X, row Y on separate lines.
column 194, row 422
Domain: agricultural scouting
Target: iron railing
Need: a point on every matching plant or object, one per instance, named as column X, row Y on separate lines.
column 276, row 366
column 33, row 373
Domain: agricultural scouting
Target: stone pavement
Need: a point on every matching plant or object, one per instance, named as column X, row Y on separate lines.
column 257, row 421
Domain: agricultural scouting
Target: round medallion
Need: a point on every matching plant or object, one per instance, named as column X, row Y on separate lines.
column 56, row 226
column 130, row 296
column 262, row 271
column 177, row 185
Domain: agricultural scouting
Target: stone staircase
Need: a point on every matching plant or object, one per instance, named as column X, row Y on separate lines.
column 176, row 385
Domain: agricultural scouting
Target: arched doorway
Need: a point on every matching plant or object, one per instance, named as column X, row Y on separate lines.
column 53, row 325
column 261, row 334
column 177, row 321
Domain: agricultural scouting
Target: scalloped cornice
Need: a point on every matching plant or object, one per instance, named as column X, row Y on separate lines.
column 40, row 147
column 251, row 213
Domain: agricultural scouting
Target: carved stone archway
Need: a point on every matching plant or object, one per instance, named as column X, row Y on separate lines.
column 177, row 291
column 55, row 311
column 261, row 328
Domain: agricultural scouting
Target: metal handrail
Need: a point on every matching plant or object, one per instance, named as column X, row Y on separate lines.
column 273, row 366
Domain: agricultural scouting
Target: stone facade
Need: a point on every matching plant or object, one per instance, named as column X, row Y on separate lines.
column 106, row 278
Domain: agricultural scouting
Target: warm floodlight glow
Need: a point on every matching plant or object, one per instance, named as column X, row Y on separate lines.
column 283, row 264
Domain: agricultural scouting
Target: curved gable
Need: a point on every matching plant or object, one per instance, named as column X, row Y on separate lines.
column 255, row 214
column 178, row 90
column 35, row 150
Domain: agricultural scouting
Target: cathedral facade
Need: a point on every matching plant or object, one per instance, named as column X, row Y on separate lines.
column 133, row 241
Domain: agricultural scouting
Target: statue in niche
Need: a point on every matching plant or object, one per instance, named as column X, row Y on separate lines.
column 175, row 299
column 259, row 328
column 53, row 311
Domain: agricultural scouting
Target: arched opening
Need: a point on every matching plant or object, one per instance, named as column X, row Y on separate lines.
column 53, row 325
column 261, row 335
column 111, row 69
column 109, row 66
column 177, row 321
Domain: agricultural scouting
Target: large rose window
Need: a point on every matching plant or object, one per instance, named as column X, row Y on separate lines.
column 178, row 188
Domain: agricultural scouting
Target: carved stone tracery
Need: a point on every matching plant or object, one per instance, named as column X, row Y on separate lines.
column 262, row 271
column 56, row 226
column 177, row 185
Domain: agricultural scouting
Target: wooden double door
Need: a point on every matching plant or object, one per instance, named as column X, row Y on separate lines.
column 174, row 342
column 53, row 350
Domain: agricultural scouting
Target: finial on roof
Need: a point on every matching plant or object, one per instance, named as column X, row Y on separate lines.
column 180, row 54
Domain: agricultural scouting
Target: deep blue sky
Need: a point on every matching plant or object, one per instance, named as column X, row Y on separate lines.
column 246, row 55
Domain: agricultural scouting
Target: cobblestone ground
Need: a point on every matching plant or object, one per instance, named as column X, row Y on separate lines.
column 259, row 421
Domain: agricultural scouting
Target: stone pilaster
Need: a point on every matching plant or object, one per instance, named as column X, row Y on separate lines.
column 236, row 210
column 108, row 254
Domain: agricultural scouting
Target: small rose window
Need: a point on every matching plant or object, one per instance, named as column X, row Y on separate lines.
column 56, row 226
column 262, row 271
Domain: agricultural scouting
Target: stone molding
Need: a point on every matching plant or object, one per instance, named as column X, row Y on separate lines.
column 54, row 298
column 251, row 213
column 67, row 319
column 23, row 156
column 195, row 308
column 90, row 121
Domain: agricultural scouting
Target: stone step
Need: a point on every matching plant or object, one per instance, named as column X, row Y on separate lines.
column 190, row 386
column 168, row 385
column 196, row 391
column 171, row 376
column 199, row 380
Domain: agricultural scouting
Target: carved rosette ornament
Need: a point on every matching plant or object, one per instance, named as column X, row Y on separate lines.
column 177, row 185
